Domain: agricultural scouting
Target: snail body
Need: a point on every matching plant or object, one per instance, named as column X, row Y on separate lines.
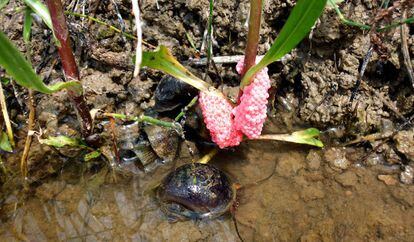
column 196, row 191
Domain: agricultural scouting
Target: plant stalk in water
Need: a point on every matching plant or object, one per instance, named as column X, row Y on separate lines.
column 69, row 65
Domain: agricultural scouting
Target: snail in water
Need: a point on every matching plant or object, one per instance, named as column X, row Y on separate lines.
column 199, row 191
column 196, row 191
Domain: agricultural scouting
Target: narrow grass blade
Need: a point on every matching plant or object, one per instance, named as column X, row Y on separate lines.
column 161, row 59
column 92, row 155
column 61, row 141
column 27, row 25
column 19, row 68
column 40, row 9
column 300, row 21
column 5, row 143
column 307, row 136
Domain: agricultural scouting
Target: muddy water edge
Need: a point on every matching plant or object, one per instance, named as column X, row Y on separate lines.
column 333, row 194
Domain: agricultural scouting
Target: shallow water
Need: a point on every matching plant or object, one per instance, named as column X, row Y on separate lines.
column 301, row 201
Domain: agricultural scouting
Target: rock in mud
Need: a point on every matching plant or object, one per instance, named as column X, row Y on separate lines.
column 336, row 157
column 407, row 176
column 374, row 159
column 347, row 179
column 314, row 160
column 388, row 179
column 405, row 143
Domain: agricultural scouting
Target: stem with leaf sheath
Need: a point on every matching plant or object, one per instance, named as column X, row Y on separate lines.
column 252, row 39
column 69, row 65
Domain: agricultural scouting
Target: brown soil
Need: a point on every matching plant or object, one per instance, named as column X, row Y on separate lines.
column 361, row 192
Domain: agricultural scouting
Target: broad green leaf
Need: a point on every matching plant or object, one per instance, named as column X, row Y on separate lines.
column 300, row 21
column 27, row 26
column 307, row 136
column 5, row 143
column 40, row 9
column 92, row 155
column 22, row 72
column 3, row 3
column 161, row 59
column 61, row 141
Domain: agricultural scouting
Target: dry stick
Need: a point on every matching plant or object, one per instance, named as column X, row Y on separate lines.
column 138, row 51
column 30, row 127
column 404, row 49
column 69, row 65
column 207, row 157
column 229, row 59
column 6, row 116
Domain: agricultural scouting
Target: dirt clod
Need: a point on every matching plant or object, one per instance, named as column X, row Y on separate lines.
column 388, row 179
column 336, row 157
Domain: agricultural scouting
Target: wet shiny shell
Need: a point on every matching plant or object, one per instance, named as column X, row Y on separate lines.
column 196, row 191
column 163, row 140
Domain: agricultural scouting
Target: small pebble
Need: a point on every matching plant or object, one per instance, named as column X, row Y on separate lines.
column 407, row 176
column 388, row 179
column 336, row 158
column 348, row 193
column 347, row 179
column 314, row 160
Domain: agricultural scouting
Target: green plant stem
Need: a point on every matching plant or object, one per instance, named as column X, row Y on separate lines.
column 253, row 35
column 396, row 24
column 145, row 119
column 368, row 27
column 189, row 105
column 69, row 65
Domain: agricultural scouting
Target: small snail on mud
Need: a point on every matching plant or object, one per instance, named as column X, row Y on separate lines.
column 196, row 191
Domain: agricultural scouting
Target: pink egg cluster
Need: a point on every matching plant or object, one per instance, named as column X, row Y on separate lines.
column 219, row 119
column 227, row 124
column 250, row 114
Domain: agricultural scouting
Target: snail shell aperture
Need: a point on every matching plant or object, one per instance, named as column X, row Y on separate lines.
column 196, row 191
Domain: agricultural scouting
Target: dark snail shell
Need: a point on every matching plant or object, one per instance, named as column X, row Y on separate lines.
column 196, row 191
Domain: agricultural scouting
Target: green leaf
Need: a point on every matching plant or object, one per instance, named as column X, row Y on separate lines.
column 300, row 21
column 4, row 80
column 41, row 10
column 5, row 143
column 92, row 155
column 22, row 72
column 307, row 136
column 61, row 141
column 3, row 3
column 27, row 26
column 161, row 59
